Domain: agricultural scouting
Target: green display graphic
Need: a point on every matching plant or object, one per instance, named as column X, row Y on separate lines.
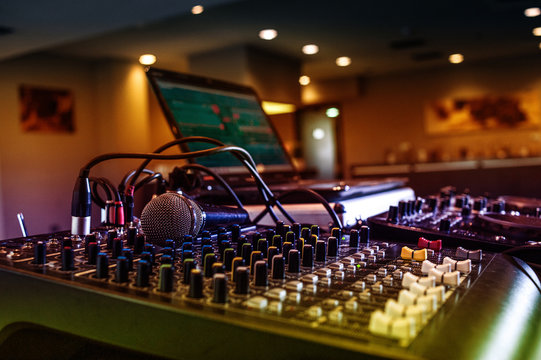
column 234, row 119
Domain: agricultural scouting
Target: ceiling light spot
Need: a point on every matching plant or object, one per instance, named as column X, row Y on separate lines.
column 310, row 49
column 268, row 34
column 332, row 112
column 318, row 133
column 304, row 80
column 343, row 61
column 456, row 58
column 537, row 31
column 532, row 12
column 147, row 59
column 197, row 9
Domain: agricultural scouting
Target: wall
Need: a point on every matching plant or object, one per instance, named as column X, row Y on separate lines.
column 273, row 76
column 38, row 170
column 389, row 113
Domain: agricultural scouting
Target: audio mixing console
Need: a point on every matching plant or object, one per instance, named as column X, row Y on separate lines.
column 460, row 219
column 284, row 292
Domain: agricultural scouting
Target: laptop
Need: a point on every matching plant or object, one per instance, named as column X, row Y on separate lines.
column 232, row 113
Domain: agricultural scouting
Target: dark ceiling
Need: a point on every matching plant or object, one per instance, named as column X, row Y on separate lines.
column 379, row 36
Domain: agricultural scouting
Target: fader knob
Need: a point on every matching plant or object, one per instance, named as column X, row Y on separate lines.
column 93, row 251
column 402, row 208
column 273, row 251
column 305, row 233
column 445, row 225
column 354, row 239
column 337, row 233
column 102, row 267
column 67, row 259
column 40, row 252
column 279, row 228
column 308, row 256
column 165, row 281
column 392, row 214
column 255, row 257
column 321, row 251
column 290, row 237
column 332, row 246
column 246, row 252
column 139, row 245
column 219, row 283
column 293, row 261
column 229, row 255
column 314, row 230
column 286, row 249
column 278, row 267
column 208, row 261
column 132, row 234
column 117, row 246
column 296, row 229
column 262, row 245
column 242, row 281
column 121, row 271
column 260, row 274
column 111, row 235
column 196, row 284
column 466, row 211
column 235, row 232
column 364, row 235
column 143, row 273
column 188, row 265
column 277, row 242
column 128, row 254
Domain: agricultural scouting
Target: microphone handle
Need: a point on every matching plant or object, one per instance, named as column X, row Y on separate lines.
column 223, row 215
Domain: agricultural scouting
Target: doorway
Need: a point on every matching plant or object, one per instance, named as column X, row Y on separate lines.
column 319, row 129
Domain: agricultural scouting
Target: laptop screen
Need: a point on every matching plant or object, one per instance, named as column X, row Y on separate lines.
column 197, row 106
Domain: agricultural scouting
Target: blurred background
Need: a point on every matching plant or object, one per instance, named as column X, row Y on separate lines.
column 442, row 92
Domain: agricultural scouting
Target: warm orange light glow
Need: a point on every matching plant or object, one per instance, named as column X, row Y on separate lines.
column 268, row 34
column 532, row 12
column 304, row 80
column 537, row 31
column 343, row 61
column 197, row 9
column 310, row 49
column 456, row 58
column 147, row 59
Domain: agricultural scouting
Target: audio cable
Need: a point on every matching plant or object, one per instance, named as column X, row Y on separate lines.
column 268, row 197
column 311, row 193
column 81, row 199
column 218, row 178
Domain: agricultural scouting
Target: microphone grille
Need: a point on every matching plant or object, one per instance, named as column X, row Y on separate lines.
column 170, row 216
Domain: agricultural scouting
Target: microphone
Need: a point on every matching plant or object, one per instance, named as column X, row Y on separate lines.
column 172, row 215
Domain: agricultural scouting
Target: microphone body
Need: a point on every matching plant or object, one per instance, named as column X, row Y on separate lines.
column 172, row 215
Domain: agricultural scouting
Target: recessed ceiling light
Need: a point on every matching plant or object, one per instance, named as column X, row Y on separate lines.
column 532, row 12
column 304, row 80
column 318, row 133
column 343, row 61
column 540, row 46
column 147, row 59
column 332, row 112
column 268, row 34
column 537, row 31
column 197, row 9
column 456, row 58
column 310, row 49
